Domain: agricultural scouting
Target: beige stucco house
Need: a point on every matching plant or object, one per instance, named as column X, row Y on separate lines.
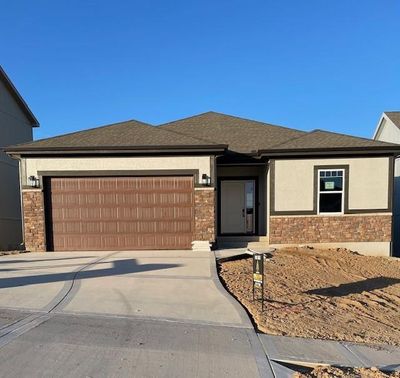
column 16, row 122
column 388, row 130
column 206, row 180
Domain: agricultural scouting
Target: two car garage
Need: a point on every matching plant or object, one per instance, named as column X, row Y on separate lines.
column 119, row 213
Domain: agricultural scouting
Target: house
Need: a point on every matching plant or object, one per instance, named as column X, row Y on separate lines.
column 202, row 180
column 388, row 130
column 16, row 123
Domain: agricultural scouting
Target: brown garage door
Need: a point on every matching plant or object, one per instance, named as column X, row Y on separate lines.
column 119, row 213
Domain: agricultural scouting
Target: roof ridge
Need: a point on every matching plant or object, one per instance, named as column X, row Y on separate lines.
column 184, row 118
column 294, row 138
column 261, row 122
column 84, row 131
column 232, row 116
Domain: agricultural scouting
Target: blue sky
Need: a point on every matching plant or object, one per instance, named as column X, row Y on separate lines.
column 330, row 64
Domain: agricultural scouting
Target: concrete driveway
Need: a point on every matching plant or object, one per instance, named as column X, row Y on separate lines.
column 140, row 313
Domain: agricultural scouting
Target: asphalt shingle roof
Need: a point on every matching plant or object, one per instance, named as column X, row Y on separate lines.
column 125, row 134
column 204, row 131
column 394, row 117
column 242, row 135
column 246, row 136
column 320, row 139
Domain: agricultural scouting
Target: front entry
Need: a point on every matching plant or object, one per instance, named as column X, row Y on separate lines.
column 237, row 207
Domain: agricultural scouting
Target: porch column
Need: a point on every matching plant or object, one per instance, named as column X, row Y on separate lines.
column 204, row 218
column 34, row 221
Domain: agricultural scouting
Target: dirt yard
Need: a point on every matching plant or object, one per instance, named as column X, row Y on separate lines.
column 331, row 372
column 323, row 294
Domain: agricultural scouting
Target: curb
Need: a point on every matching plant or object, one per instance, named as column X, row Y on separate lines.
column 238, row 307
column 262, row 360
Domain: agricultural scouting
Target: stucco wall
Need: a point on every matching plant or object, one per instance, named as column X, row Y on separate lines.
column 35, row 165
column 388, row 132
column 368, row 184
column 14, row 128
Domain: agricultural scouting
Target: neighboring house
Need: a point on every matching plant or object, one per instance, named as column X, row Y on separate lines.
column 205, row 179
column 16, row 122
column 388, row 130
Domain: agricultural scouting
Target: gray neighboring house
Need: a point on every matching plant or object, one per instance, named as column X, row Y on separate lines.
column 206, row 179
column 16, row 122
column 388, row 130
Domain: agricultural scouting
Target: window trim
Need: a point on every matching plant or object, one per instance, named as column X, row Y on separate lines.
column 333, row 167
column 342, row 192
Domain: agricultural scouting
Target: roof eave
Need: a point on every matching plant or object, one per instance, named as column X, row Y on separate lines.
column 331, row 151
column 379, row 125
column 18, row 98
column 114, row 150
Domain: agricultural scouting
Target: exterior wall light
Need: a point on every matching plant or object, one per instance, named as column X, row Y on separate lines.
column 205, row 180
column 33, row 181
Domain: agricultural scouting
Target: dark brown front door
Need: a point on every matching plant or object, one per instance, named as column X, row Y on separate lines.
column 119, row 213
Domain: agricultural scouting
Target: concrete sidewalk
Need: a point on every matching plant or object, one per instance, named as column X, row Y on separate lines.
column 88, row 346
column 311, row 352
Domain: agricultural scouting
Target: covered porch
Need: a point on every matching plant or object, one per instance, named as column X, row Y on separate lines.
column 242, row 202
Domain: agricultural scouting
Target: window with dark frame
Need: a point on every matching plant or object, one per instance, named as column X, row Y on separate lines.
column 330, row 191
column 250, row 206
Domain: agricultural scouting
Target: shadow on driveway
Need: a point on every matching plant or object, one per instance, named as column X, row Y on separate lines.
column 41, row 260
column 120, row 267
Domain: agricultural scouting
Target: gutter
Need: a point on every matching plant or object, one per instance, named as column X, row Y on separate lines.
column 217, row 148
column 331, row 151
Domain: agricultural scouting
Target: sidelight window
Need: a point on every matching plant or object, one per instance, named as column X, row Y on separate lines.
column 250, row 206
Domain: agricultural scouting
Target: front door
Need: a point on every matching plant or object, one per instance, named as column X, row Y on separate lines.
column 237, row 207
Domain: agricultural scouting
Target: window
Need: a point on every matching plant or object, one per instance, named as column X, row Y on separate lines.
column 250, row 219
column 330, row 191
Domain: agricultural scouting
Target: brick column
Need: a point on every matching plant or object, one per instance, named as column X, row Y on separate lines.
column 34, row 221
column 204, row 218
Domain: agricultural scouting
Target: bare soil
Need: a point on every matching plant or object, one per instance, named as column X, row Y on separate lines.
column 323, row 294
column 331, row 372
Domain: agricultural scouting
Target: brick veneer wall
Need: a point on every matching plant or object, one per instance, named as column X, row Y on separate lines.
column 34, row 223
column 204, row 214
column 329, row 229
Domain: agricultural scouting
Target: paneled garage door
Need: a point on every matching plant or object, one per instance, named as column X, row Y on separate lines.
column 119, row 213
